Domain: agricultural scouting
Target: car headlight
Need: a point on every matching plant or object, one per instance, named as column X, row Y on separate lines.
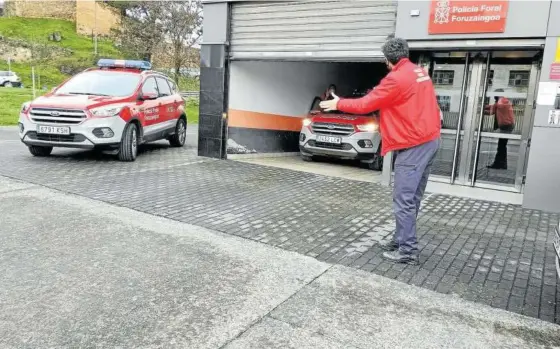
column 25, row 107
column 306, row 122
column 106, row 111
column 367, row 127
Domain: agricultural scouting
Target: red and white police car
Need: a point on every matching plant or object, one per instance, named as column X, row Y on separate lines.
column 116, row 106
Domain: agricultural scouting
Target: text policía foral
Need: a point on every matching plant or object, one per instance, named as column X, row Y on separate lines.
column 476, row 13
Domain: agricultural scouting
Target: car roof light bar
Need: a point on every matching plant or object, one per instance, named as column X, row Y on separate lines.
column 123, row 63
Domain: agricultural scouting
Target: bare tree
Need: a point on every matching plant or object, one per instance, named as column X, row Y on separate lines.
column 140, row 31
column 181, row 22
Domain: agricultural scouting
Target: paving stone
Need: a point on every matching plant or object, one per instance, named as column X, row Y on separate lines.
column 497, row 254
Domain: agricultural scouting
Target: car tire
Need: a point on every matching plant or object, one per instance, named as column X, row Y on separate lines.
column 179, row 138
column 377, row 164
column 307, row 158
column 8, row 84
column 128, row 149
column 40, row 151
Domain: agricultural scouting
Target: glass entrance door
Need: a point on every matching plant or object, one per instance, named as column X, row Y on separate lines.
column 501, row 124
column 486, row 99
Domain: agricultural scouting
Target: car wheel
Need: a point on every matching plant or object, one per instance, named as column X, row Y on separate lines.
column 179, row 138
column 40, row 151
column 307, row 158
column 8, row 84
column 128, row 149
column 377, row 164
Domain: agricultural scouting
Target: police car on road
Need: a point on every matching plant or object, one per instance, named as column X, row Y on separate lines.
column 116, row 106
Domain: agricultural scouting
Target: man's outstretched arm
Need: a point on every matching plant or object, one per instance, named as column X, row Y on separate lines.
column 380, row 97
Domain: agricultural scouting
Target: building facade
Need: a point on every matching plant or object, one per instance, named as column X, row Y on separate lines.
column 264, row 61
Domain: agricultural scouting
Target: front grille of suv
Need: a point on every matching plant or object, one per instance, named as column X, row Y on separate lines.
column 57, row 116
column 72, row 138
column 332, row 129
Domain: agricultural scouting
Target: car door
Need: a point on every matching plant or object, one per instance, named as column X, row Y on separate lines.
column 149, row 108
column 167, row 104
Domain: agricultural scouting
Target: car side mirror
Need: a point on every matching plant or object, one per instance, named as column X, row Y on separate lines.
column 147, row 96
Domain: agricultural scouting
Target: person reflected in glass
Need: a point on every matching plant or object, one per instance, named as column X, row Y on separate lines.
column 504, row 120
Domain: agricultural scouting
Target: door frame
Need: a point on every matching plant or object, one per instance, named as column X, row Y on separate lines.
column 468, row 139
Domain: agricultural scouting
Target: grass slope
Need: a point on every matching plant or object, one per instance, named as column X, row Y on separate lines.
column 11, row 100
column 37, row 31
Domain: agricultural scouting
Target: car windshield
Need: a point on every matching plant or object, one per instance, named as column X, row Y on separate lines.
column 101, row 83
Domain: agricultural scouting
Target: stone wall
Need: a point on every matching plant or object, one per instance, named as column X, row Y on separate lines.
column 60, row 9
column 94, row 17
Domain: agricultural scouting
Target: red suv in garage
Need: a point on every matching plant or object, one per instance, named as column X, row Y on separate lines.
column 343, row 136
column 116, row 106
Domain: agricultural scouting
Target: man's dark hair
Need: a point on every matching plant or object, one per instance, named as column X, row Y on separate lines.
column 395, row 49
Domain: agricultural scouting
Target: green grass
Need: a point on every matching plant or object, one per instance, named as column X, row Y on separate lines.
column 11, row 100
column 38, row 30
column 32, row 31
column 192, row 111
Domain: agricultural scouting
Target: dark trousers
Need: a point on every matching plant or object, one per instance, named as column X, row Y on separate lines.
column 501, row 154
column 412, row 169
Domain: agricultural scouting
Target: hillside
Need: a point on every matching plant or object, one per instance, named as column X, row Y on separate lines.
column 54, row 61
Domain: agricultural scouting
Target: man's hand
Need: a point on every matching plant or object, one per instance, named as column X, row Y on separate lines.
column 330, row 105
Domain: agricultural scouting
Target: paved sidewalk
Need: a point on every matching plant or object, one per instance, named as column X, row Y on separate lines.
column 496, row 254
column 82, row 273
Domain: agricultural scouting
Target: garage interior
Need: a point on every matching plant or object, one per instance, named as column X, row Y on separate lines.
column 282, row 56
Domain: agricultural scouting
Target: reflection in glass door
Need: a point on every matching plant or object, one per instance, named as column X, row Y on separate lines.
column 450, row 74
column 502, row 121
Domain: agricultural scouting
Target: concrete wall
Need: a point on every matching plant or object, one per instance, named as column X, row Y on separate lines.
column 60, row 9
column 265, row 87
column 543, row 187
column 92, row 16
column 525, row 18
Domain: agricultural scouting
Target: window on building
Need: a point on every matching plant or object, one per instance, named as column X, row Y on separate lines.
column 443, row 77
column 444, row 103
column 519, row 78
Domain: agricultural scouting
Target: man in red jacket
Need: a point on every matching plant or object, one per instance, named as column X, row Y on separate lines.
column 410, row 128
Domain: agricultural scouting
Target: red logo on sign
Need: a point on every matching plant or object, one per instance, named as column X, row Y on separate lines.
column 466, row 17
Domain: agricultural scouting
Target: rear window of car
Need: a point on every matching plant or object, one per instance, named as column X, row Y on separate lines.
column 163, row 86
column 102, row 83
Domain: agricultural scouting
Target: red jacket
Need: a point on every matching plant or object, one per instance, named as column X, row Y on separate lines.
column 503, row 110
column 409, row 111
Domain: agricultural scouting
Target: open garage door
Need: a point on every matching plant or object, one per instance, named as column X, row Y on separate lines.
column 311, row 30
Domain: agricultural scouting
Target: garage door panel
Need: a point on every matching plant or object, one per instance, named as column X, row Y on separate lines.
column 304, row 5
column 321, row 13
column 302, row 30
column 312, row 22
column 310, row 28
column 368, row 41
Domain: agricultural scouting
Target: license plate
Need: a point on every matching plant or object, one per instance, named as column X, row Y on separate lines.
column 557, row 243
column 329, row 139
column 53, row 130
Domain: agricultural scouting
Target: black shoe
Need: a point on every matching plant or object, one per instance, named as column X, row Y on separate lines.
column 497, row 167
column 398, row 257
column 389, row 245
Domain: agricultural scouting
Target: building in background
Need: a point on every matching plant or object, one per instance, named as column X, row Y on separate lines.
column 90, row 16
column 257, row 55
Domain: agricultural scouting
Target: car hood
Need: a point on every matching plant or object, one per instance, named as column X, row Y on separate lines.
column 343, row 118
column 74, row 101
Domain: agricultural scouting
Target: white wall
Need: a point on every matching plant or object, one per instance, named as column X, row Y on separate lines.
column 288, row 88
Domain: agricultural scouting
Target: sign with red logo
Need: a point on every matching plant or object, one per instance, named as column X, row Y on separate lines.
column 467, row 17
column 555, row 71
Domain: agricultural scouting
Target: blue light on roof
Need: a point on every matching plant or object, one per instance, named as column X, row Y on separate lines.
column 122, row 63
